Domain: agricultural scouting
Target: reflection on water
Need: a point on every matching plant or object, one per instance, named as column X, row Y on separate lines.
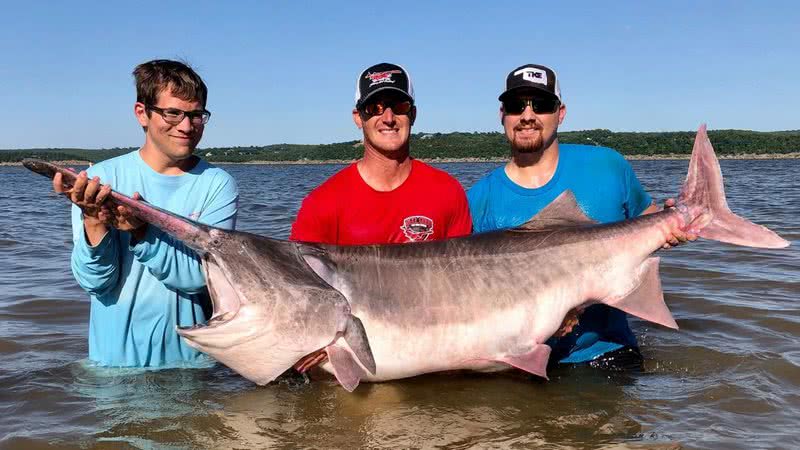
column 421, row 413
column 728, row 378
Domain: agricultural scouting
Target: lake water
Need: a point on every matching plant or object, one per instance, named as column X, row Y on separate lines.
column 729, row 378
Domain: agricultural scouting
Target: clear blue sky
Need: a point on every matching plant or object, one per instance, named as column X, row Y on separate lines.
column 284, row 71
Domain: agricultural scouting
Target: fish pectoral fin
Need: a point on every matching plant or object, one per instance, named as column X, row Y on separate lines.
column 535, row 361
column 646, row 299
column 346, row 370
column 356, row 337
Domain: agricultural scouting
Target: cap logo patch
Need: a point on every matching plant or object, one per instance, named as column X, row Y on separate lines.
column 417, row 228
column 382, row 77
column 533, row 75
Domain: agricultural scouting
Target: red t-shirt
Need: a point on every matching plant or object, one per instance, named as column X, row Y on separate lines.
column 344, row 210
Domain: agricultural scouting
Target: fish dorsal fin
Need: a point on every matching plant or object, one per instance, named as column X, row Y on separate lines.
column 560, row 213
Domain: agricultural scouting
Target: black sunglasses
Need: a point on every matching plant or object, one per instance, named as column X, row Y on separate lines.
column 377, row 108
column 539, row 105
column 174, row 116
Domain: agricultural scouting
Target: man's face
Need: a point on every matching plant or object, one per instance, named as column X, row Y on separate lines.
column 527, row 130
column 388, row 130
column 176, row 142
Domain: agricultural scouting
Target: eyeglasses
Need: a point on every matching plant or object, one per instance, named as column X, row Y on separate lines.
column 174, row 116
column 377, row 108
column 516, row 105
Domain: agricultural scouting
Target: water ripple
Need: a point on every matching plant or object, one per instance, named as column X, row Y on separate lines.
column 729, row 378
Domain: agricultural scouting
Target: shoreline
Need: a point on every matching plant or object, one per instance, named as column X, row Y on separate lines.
column 746, row 156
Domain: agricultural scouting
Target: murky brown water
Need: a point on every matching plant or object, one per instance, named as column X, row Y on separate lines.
column 730, row 378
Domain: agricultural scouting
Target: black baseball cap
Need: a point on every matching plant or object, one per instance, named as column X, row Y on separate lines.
column 532, row 76
column 382, row 77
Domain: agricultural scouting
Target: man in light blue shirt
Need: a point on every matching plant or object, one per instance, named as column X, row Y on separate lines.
column 143, row 283
column 540, row 169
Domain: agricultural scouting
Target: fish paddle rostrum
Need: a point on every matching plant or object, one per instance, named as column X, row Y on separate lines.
column 485, row 302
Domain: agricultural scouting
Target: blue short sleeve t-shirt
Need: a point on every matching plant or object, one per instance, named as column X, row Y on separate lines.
column 607, row 190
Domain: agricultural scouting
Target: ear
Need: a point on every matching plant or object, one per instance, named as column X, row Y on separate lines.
column 502, row 115
column 562, row 112
column 140, row 112
column 412, row 115
column 357, row 119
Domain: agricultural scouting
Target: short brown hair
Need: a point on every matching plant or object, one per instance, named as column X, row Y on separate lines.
column 154, row 76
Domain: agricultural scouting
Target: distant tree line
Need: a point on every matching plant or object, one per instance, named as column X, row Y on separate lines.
column 463, row 145
column 62, row 154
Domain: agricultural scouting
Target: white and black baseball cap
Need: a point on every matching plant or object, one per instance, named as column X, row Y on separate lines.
column 532, row 76
column 382, row 77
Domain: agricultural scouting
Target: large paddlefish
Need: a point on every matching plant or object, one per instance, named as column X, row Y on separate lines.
column 484, row 302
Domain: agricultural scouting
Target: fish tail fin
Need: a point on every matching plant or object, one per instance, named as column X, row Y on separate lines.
column 703, row 194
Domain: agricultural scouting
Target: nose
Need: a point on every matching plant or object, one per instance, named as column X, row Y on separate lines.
column 185, row 125
column 528, row 114
column 388, row 115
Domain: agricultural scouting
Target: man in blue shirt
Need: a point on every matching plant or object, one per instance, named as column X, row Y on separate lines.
column 539, row 170
column 143, row 283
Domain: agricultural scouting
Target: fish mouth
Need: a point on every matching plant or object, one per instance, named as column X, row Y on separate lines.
column 225, row 299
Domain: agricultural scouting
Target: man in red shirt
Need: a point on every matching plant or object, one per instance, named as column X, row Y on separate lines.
column 386, row 196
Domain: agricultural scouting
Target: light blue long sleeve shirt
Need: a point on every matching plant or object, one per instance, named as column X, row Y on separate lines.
column 607, row 190
column 140, row 293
